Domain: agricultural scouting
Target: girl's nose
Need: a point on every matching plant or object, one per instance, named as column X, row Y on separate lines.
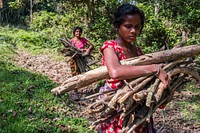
column 133, row 30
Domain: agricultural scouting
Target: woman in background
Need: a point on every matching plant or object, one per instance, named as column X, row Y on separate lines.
column 81, row 43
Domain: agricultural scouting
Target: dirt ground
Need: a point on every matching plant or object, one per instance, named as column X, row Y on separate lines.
column 168, row 120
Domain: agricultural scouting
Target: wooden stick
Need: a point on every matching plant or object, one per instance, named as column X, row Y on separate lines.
column 99, row 93
column 174, row 72
column 135, row 89
column 141, row 120
column 140, row 95
column 124, row 114
column 151, row 91
column 106, row 119
column 100, row 73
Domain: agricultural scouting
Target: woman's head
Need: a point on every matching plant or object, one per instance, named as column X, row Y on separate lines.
column 126, row 10
column 77, row 31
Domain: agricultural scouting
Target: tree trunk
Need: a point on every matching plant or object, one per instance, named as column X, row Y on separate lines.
column 100, row 73
column 1, row 4
column 31, row 11
column 157, row 8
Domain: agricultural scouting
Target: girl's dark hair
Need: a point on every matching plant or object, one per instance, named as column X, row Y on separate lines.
column 123, row 11
column 76, row 28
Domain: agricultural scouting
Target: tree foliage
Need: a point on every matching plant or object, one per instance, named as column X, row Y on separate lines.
column 164, row 26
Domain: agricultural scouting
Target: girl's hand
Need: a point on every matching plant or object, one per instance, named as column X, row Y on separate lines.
column 84, row 50
column 162, row 75
column 88, row 51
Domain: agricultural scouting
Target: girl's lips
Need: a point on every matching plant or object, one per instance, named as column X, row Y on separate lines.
column 132, row 37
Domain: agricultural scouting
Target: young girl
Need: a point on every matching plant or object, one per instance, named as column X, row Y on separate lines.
column 129, row 21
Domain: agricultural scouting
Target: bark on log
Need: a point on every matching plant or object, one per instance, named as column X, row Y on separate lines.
column 100, row 73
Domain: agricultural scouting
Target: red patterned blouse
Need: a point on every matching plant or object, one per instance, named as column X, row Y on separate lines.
column 121, row 56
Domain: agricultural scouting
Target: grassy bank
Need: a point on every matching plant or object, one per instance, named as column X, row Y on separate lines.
column 26, row 104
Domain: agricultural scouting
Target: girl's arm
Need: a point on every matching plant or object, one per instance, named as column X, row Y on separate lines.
column 91, row 46
column 121, row 72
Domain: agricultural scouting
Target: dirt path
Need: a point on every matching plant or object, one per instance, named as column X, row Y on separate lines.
column 59, row 71
column 172, row 120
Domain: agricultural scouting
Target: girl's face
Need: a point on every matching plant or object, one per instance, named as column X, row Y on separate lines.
column 77, row 33
column 130, row 28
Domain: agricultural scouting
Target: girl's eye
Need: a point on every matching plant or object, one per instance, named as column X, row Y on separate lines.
column 128, row 26
column 137, row 26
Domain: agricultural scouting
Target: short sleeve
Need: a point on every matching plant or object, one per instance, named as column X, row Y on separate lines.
column 84, row 40
column 108, row 44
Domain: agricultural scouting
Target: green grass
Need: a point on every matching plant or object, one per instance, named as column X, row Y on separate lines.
column 27, row 105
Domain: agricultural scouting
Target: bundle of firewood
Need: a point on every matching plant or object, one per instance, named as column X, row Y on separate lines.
column 83, row 60
column 140, row 97
column 70, row 49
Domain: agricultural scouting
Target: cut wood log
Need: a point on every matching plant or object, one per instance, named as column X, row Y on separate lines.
column 101, row 73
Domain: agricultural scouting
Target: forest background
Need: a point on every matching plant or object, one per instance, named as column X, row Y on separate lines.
column 44, row 21
column 36, row 25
